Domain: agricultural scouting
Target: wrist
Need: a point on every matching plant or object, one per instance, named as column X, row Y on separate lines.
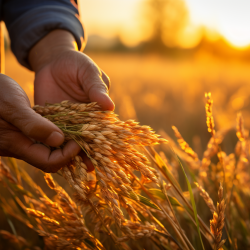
column 51, row 47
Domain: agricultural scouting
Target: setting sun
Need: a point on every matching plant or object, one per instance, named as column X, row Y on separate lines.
column 230, row 18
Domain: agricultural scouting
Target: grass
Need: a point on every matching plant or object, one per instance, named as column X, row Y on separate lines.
column 120, row 221
column 151, row 90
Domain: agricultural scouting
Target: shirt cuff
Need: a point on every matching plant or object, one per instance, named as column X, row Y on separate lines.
column 31, row 27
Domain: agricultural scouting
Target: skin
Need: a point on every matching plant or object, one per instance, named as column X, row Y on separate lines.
column 61, row 73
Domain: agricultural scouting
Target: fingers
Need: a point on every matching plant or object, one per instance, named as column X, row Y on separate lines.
column 41, row 157
column 95, row 83
column 35, row 126
column 87, row 161
column 13, row 143
column 15, row 109
column 19, row 123
column 106, row 79
column 96, row 94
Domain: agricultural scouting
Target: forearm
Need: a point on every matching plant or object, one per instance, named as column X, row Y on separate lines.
column 29, row 21
column 50, row 47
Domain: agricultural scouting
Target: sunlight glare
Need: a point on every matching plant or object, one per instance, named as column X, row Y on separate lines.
column 113, row 18
column 238, row 39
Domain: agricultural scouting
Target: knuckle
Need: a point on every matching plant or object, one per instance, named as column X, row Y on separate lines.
column 11, row 108
column 89, row 68
column 51, row 167
column 106, row 80
column 97, row 86
column 28, row 126
column 6, row 139
column 93, row 77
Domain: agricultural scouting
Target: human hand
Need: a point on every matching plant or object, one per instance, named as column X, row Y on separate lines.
column 63, row 73
column 20, row 127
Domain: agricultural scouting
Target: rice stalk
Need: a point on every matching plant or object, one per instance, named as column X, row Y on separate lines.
column 217, row 223
column 206, row 198
column 204, row 227
column 209, row 114
column 184, row 145
column 121, row 201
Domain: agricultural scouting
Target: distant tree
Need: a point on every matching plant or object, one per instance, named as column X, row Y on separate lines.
column 163, row 21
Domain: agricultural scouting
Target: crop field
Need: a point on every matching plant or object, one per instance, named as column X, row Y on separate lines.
column 161, row 92
column 189, row 193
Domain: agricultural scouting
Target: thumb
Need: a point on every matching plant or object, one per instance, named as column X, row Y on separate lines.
column 37, row 127
column 92, row 81
column 15, row 109
column 98, row 93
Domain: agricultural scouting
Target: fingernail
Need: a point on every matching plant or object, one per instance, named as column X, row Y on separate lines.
column 87, row 161
column 55, row 139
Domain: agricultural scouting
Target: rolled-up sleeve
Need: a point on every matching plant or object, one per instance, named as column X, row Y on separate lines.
column 28, row 21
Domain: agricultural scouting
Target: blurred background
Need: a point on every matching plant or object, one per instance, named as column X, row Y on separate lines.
column 163, row 55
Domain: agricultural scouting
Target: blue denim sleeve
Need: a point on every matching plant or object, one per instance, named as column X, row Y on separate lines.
column 28, row 21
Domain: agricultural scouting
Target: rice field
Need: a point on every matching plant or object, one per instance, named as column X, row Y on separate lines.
column 189, row 193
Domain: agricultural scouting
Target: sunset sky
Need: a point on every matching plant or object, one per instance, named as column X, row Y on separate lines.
column 109, row 18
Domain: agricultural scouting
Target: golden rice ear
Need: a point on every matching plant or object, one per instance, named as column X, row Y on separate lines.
column 49, row 180
column 209, row 114
column 206, row 198
column 184, row 145
column 217, row 223
column 240, row 130
column 104, row 142
column 110, row 145
column 5, row 171
column 19, row 241
column 112, row 202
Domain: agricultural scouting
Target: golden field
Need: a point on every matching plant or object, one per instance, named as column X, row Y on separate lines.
column 160, row 92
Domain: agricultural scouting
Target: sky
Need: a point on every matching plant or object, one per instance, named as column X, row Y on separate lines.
column 231, row 18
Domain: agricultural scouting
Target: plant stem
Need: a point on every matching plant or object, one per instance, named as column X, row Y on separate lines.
column 163, row 210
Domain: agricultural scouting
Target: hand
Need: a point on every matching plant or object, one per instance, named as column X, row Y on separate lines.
column 20, row 127
column 63, row 73
column 72, row 76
